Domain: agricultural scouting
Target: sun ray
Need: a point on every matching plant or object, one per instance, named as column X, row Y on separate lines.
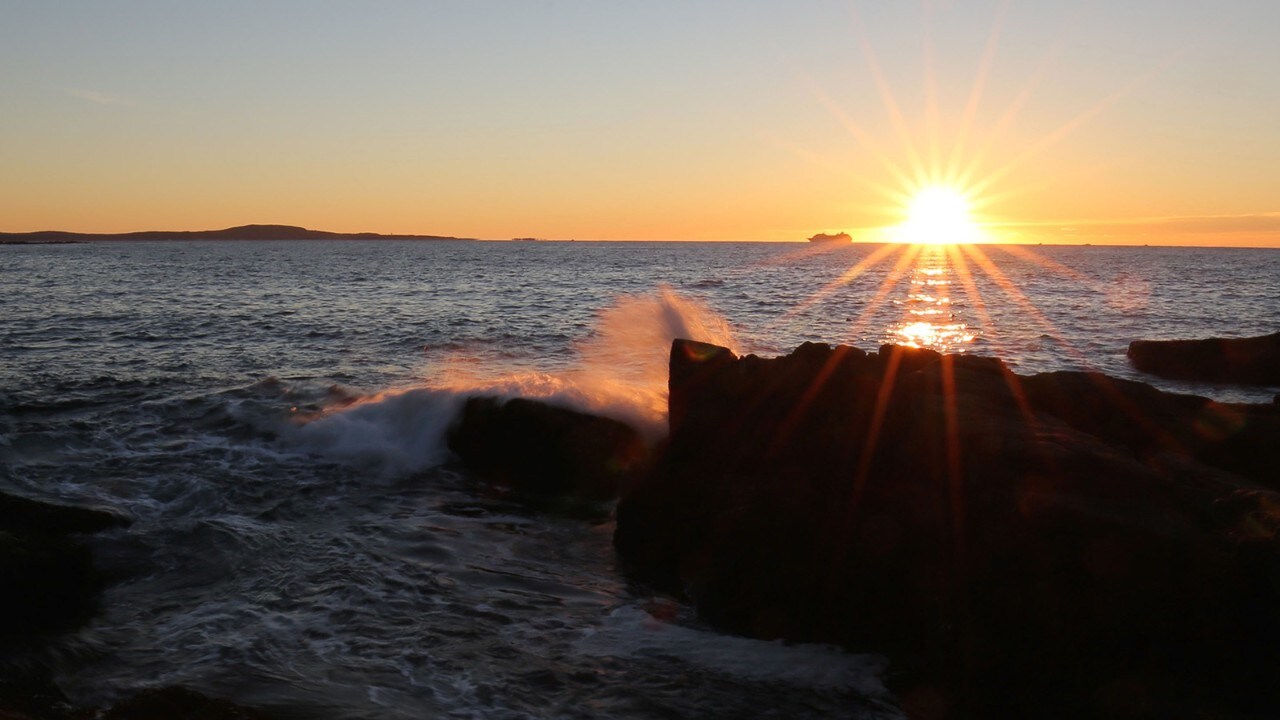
column 1001, row 127
column 848, row 276
column 1102, row 382
column 872, row 441
column 951, row 420
column 980, row 307
column 893, row 195
column 1004, row 283
column 890, row 282
column 901, row 176
column 931, row 111
column 1052, row 265
column 827, row 161
column 812, row 390
column 1071, row 125
column 1011, row 380
column 961, row 270
column 820, row 378
column 896, row 117
column 802, row 251
column 951, row 175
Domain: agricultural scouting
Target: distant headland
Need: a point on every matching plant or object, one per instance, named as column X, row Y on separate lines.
column 240, row 232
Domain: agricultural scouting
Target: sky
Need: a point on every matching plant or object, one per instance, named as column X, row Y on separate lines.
column 1142, row 121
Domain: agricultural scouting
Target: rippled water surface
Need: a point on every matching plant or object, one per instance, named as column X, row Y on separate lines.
column 270, row 414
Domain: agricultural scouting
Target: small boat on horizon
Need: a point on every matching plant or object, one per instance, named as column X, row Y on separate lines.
column 840, row 237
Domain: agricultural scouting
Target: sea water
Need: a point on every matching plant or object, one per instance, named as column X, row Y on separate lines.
column 271, row 415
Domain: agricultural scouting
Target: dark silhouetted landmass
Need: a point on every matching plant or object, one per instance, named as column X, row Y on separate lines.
column 1061, row 545
column 240, row 232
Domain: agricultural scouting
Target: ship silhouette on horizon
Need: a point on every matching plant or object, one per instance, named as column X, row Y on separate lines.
column 840, row 237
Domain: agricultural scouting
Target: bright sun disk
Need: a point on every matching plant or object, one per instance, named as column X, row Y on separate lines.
column 937, row 216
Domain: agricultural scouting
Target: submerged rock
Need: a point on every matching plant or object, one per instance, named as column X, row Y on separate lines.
column 30, row 694
column 172, row 703
column 19, row 514
column 48, row 584
column 1038, row 546
column 546, row 450
column 47, row 580
column 1249, row 361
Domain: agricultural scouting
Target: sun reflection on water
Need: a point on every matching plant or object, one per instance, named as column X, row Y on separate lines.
column 930, row 318
column 944, row 337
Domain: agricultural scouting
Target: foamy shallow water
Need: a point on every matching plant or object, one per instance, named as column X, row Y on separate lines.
column 271, row 414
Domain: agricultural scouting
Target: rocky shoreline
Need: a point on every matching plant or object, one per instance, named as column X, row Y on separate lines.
column 1065, row 544
column 51, row 586
column 1059, row 545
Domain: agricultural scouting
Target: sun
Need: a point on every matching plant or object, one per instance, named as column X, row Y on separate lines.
column 937, row 215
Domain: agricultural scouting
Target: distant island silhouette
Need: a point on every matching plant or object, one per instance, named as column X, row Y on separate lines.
column 240, row 232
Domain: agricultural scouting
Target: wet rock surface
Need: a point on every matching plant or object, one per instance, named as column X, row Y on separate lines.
column 47, row 580
column 48, row 584
column 30, row 695
column 1247, row 361
column 1060, row 545
column 171, row 703
column 544, row 450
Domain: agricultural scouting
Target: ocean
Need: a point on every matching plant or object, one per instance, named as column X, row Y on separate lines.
column 271, row 415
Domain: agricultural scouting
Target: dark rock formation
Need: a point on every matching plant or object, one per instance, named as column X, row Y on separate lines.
column 1249, row 361
column 47, row 582
column 1044, row 546
column 23, row 515
column 31, row 695
column 546, row 450
column 172, row 703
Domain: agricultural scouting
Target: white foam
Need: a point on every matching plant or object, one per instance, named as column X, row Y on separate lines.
column 620, row 372
column 395, row 432
column 629, row 631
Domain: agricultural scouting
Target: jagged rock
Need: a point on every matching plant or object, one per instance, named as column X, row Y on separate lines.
column 1043, row 546
column 545, row 450
column 1249, row 361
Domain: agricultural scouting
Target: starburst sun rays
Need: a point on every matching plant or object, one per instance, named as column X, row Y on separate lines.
column 946, row 240
column 942, row 192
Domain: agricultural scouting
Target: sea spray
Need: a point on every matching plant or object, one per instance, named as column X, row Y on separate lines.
column 393, row 433
column 620, row 371
column 632, row 631
column 633, row 340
